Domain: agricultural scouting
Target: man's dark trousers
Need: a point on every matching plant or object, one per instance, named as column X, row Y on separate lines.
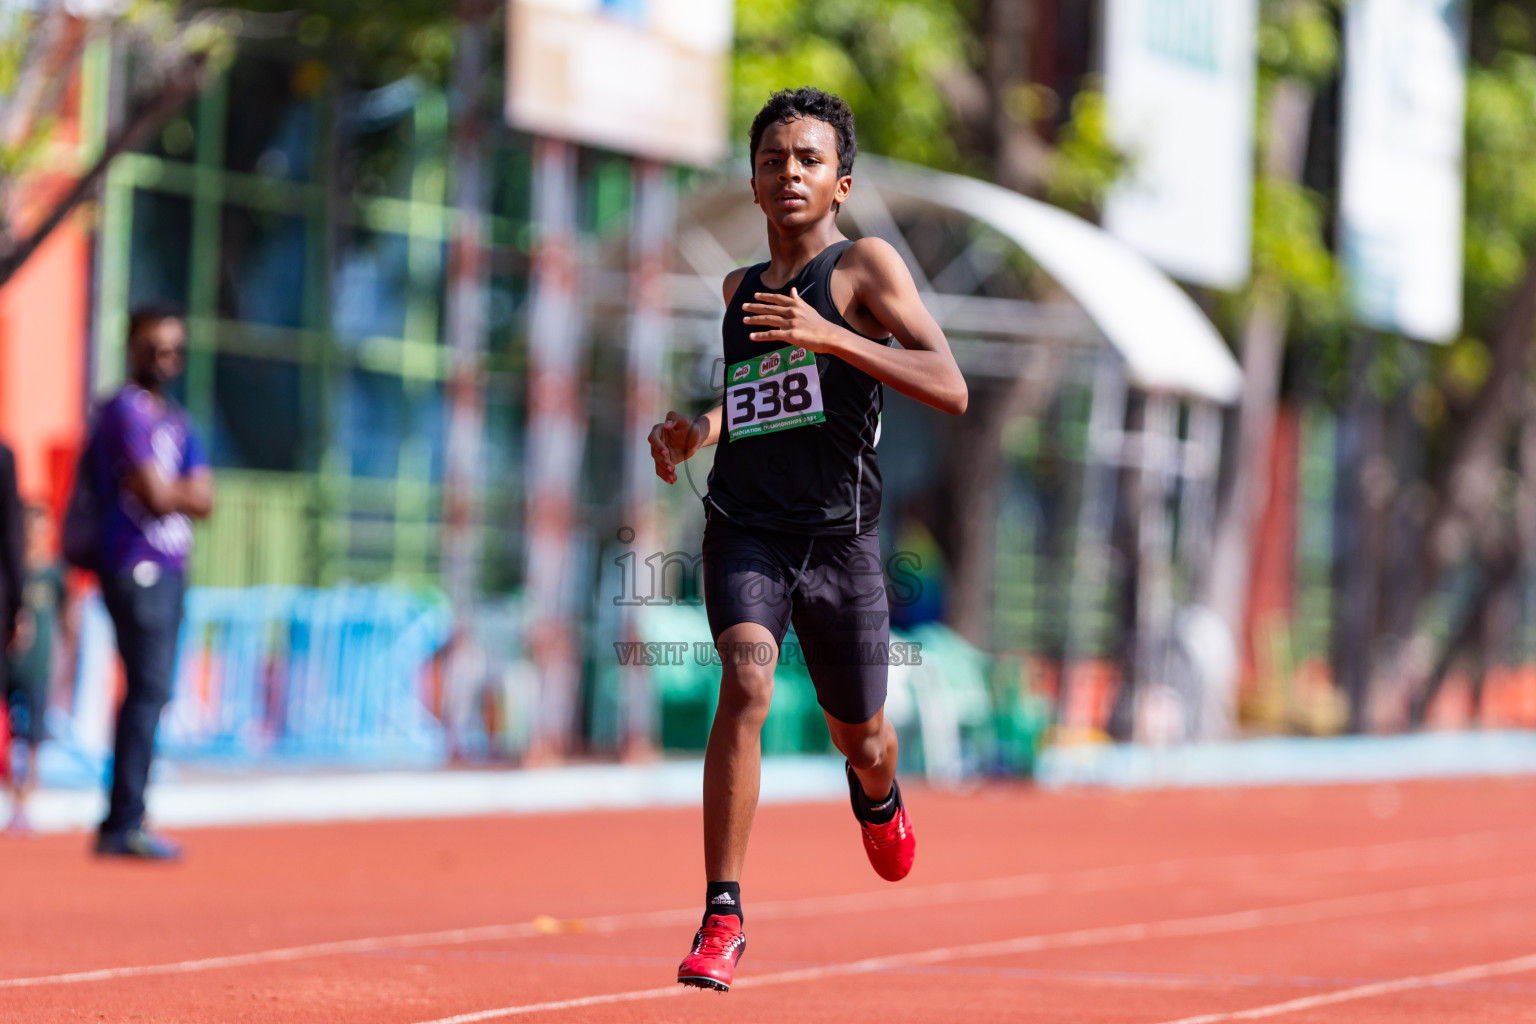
column 148, row 619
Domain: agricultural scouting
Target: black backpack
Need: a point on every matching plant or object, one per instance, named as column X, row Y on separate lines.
column 87, row 509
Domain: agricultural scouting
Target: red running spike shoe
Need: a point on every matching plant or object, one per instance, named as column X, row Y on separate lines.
column 717, row 949
column 891, row 847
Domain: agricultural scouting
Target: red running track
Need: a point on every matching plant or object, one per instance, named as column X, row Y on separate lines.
column 1314, row 906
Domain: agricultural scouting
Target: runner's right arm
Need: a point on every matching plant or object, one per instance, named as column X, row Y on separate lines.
column 186, row 489
column 190, row 495
column 678, row 437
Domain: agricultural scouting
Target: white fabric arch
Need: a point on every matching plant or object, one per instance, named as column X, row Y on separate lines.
column 1167, row 343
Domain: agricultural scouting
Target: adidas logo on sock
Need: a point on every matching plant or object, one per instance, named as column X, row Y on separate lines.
column 723, row 899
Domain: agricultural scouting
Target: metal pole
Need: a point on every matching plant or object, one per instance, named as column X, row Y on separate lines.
column 651, row 229
column 1216, row 675
column 1154, row 599
column 555, row 441
column 1090, row 559
column 1355, row 638
column 1199, row 454
column 465, row 330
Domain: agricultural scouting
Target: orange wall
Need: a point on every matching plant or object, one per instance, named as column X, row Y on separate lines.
column 43, row 345
column 44, row 322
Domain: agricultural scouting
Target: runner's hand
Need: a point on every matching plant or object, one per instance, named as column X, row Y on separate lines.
column 789, row 319
column 674, row 441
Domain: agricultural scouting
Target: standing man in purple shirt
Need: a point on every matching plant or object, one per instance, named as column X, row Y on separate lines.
column 154, row 479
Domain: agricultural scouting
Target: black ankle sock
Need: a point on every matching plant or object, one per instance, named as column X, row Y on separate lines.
column 874, row 812
column 723, row 898
column 880, row 812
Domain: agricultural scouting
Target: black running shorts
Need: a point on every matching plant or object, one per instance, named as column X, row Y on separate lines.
column 831, row 588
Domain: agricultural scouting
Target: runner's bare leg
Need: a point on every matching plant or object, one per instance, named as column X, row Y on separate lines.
column 734, row 757
column 870, row 748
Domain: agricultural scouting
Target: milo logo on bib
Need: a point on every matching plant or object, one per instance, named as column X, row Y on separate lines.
column 778, row 391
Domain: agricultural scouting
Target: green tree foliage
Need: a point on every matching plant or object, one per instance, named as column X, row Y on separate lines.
column 1298, row 44
column 885, row 57
column 1298, row 39
column 1500, row 186
column 1500, row 228
column 39, row 48
column 175, row 47
column 901, row 64
column 1086, row 163
column 379, row 41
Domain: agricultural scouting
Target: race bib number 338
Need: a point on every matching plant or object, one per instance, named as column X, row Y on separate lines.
column 772, row 392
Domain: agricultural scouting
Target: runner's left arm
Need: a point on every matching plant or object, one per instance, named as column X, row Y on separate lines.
column 923, row 367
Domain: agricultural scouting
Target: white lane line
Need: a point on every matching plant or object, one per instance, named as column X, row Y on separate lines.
column 1442, row 850
column 1380, row 988
column 636, row 996
column 1311, row 912
column 288, row 953
column 1125, row 979
column 1336, row 860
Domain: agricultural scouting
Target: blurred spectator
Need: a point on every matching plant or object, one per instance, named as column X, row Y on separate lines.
column 148, row 466
column 31, row 658
column 917, row 575
column 11, row 558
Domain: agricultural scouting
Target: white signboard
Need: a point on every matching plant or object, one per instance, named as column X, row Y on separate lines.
column 1179, row 81
column 646, row 77
column 1401, row 194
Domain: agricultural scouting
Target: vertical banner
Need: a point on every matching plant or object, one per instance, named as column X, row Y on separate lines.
column 1401, row 193
column 556, row 439
column 1179, row 88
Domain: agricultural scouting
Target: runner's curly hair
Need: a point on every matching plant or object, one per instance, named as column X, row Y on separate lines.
column 788, row 105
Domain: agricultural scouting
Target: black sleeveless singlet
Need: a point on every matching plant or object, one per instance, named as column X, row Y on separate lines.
column 822, row 479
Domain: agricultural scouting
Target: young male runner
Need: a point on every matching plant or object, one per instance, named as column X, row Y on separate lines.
column 794, row 497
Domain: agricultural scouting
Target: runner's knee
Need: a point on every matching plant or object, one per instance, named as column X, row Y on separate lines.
column 864, row 750
column 867, row 752
column 746, row 691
